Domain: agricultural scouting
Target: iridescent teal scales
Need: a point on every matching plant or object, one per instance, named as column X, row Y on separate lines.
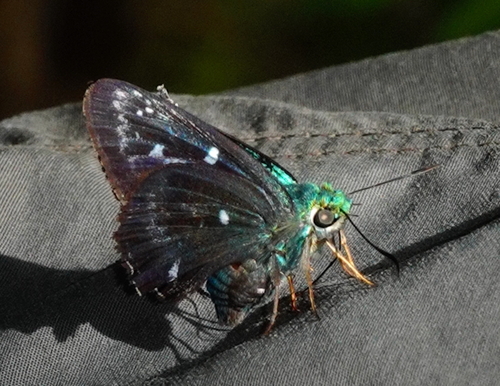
column 320, row 212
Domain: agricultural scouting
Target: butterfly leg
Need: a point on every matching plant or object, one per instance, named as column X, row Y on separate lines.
column 346, row 266
column 307, row 268
column 272, row 320
column 345, row 247
column 293, row 295
column 310, row 288
column 346, row 261
column 275, row 275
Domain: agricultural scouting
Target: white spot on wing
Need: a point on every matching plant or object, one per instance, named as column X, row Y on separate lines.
column 137, row 94
column 157, row 151
column 117, row 105
column 260, row 291
column 123, row 143
column 136, row 289
column 122, row 130
column 173, row 160
column 120, row 94
column 149, row 110
column 159, row 294
column 172, row 272
column 212, row 156
column 223, row 217
column 130, row 268
column 139, row 113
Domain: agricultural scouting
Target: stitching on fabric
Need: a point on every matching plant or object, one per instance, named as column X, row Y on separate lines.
column 385, row 151
column 79, row 148
column 365, row 134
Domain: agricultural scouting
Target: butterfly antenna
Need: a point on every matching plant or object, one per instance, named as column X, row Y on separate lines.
column 412, row 174
column 390, row 256
column 383, row 252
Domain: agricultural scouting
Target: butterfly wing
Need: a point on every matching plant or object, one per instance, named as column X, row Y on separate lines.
column 184, row 223
column 135, row 132
column 194, row 199
column 283, row 176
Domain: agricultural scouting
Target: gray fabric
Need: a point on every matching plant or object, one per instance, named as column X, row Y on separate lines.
column 66, row 318
column 459, row 79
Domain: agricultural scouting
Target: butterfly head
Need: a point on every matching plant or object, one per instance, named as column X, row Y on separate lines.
column 327, row 211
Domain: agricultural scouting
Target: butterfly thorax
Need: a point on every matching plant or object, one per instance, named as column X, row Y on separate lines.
column 321, row 211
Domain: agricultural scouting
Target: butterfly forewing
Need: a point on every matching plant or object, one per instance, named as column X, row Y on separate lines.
column 283, row 176
column 135, row 132
column 194, row 200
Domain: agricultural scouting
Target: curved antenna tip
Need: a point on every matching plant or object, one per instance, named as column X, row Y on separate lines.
column 383, row 252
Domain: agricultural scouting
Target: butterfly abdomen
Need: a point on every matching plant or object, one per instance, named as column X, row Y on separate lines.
column 235, row 289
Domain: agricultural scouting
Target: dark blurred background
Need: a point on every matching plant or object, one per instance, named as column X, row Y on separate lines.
column 50, row 50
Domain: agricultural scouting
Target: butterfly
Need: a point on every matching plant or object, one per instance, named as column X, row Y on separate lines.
column 201, row 208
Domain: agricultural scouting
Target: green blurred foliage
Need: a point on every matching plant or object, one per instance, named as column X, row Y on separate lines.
column 216, row 44
column 51, row 49
column 468, row 17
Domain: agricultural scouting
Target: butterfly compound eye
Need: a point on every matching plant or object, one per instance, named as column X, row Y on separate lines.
column 324, row 218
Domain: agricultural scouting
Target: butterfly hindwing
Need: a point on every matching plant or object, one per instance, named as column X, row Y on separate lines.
column 182, row 224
